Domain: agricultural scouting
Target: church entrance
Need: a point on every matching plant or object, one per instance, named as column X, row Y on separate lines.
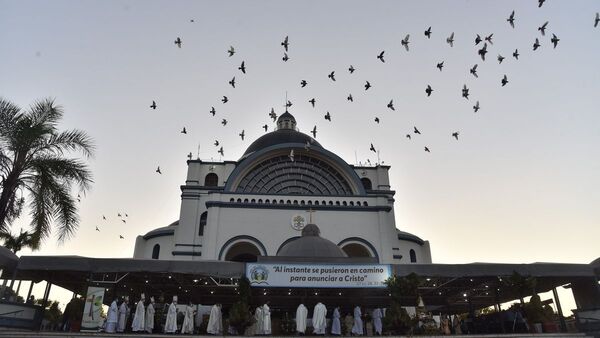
column 244, row 252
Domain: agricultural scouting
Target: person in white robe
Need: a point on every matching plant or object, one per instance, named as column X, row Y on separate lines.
column 377, row 321
column 266, row 313
column 357, row 327
column 336, row 326
column 139, row 319
column 149, row 327
column 123, row 311
column 171, row 321
column 319, row 319
column 215, row 322
column 258, row 317
column 188, row 320
column 301, row 314
column 112, row 317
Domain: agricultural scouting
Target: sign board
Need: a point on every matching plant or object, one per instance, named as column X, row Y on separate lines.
column 91, row 320
column 318, row 275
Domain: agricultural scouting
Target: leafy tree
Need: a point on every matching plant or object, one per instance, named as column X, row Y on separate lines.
column 16, row 243
column 240, row 316
column 33, row 161
column 396, row 318
column 520, row 285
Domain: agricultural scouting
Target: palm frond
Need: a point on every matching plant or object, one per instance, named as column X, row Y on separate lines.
column 45, row 112
column 64, row 170
column 65, row 212
column 69, row 140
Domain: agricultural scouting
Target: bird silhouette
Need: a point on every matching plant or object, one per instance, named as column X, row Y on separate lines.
column 350, row 98
column 183, row 131
column 314, row 132
column 416, row 131
column 285, row 43
column 224, row 99
column 119, row 214
column 596, row 20
column 554, row 40
column 391, row 104
column 540, row 3
column 408, row 136
column 476, row 107
column 232, row 82
column 265, row 127
column 474, row 70
column 405, row 41
column 303, row 83
column 504, row 80
column 231, row 51
column 328, row 117
column 104, row 217
column 367, row 85
column 440, row 65
column 477, row 39
column 224, row 122
column 331, row 76
column 377, row 119
column 542, row 28
column 121, row 237
column 124, row 221
column 483, row 51
column 273, row 115
column 516, row 54
column 128, row 215
column 427, row 150
column 291, row 155
column 489, row 38
column 242, row 67
column 536, row 44
column 213, row 111
column 312, row 102
column 372, row 148
column 428, row 32
column 428, row 90
column 158, row 170
column 511, row 19
column 455, row 135
column 153, row 105
column 288, row 104
column 351, row 69
column 465, row 92
column 216, row 143
column 242, row 134
column 285, row 57
column 221, row 151
column 500, row 58
column 97, row 229
column 380, row 56
column 178, row 42
column 450, row 40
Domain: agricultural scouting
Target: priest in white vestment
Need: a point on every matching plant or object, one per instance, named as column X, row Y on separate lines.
column 188, row 320
column 112, row 317
column 215, row 321
column 357, row 327
column 258, row 317
column 123, row 311
column 150, row 316
column 171, row 321
column 301, row 314
column 319, row 319
column 336, row 326
column 266, row 313
column 377, row 321
column 139, row 321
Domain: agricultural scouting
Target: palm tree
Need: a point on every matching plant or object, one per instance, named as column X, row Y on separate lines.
column 16, row 243
column 33, row 162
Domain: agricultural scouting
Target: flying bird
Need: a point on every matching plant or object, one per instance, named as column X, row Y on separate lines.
column 119, row 214
column 350, row 98
column 489, row 38
column 153, row 105
column 542, row 28
column 216, row 143
column 504, row 80
column 428, row 32
column 328, row 117
column 477, row 39
column 158, row 170
column 291, row 155
column 597, row 19
column 213, row 111
column 184, row 131
column 391, row 104
column 224, row 122
column 500, row 58
column 465, row 92
column 303, row 83
column 332, row 75
column 312, row 101
column 242, row 67
column 377, row 119
column 242, row 134
column 104, row 217
column 221, row 151
column 285, row 57
column 404, row 42
column 178, row 42
column 232, row 82
column 440, row 65
column 516, row 54
column 554, row 40
column 288, row 104
column 124, row 221
column 351, row 69
column 483, row 51
column 476, row 107
column 450, row 40
column 231, row 51
column 224, row 99
column 372, row 148
column 428, row 90
column 367, row 85
column 536, row 44
column 416, row 131
column 265, row 127
column 408, row 136
column 97, row 229
column 380, row 56
column 427, row 150
column 474, row 71
column 121, row 237
column 511, row 19
column 273, row 115
column 314, row 132
column 540, row 3
column 285, row 43
column 455, row 135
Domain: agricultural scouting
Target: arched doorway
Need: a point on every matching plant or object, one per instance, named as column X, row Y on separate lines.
column 242, row 252
column 356, row 250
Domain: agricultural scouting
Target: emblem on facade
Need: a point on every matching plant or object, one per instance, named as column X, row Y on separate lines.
column 298, row 222
column 259, row 275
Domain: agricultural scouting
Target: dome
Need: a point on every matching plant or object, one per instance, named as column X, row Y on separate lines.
column 311, row 245
column 278, row 137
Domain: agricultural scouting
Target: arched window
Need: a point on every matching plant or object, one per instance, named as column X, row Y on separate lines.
column 413, row 256
column 203, row 218
column 156, row 251
column 366, row 183
column 211, row 180
column 253, row 201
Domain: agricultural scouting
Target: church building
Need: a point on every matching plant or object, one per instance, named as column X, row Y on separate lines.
column 253, row 207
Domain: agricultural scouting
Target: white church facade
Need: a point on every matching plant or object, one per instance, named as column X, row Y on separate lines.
column 241, row 210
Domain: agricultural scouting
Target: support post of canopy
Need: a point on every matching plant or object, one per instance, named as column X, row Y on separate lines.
column 18, row 287
column 30, row 289
column 561, row 318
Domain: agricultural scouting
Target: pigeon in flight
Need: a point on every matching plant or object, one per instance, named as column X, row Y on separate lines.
column 184, row 131
column 477, row 39
column 476, row 107
column 119, row 214
column 536, row 44
column 380, row 56
column 416, row 131
column 540, row 3
column 291, row 155
column 351, row 69
column 367, row 85
column 474, row 71
column 273, row 115
column 242, row 134
column 303, row 83
column 455, row 135
column 372, row 148
column 554, row 40
column 511, row 19
column 103, row 217
column 377, row 119
column 332, row 75
column 288, row 104
column 285, row 43
column 516, row 54
column 221, row 151
column 216, row 143
column 242, row 67
column 504, row 80
column 489, row 38
column 542, row 28
column 391, row 105
column 465, row 92
column 500, row 58
column 178, row 42
column 427, row 150
column 350, row 98
column 158, row 170
column 232, row 82
column 97, row 229
column 428, row 32
column 428, row 90
column 314, row 132
column 231, row 51
column 213, row 111
column 265, row 127
column 124, row 221
column 408, row 136
column 483, row 51
column 450, row 40
column 328, row 117
column 224, row 122
column 312, row 101
column 153, row 105
column 121, row 237
column 440, row 65
column 224, row 99
column 404, row 42
column 597, row 19
column 285, row 57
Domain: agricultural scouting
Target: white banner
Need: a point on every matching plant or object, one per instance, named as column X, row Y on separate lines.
column 91, row 320
column 318, row 275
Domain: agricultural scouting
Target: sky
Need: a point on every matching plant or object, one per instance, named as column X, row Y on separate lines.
column 520, row 185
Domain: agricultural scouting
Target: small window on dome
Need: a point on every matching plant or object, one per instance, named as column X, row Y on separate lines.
column 366, row 183
column 211, row 180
